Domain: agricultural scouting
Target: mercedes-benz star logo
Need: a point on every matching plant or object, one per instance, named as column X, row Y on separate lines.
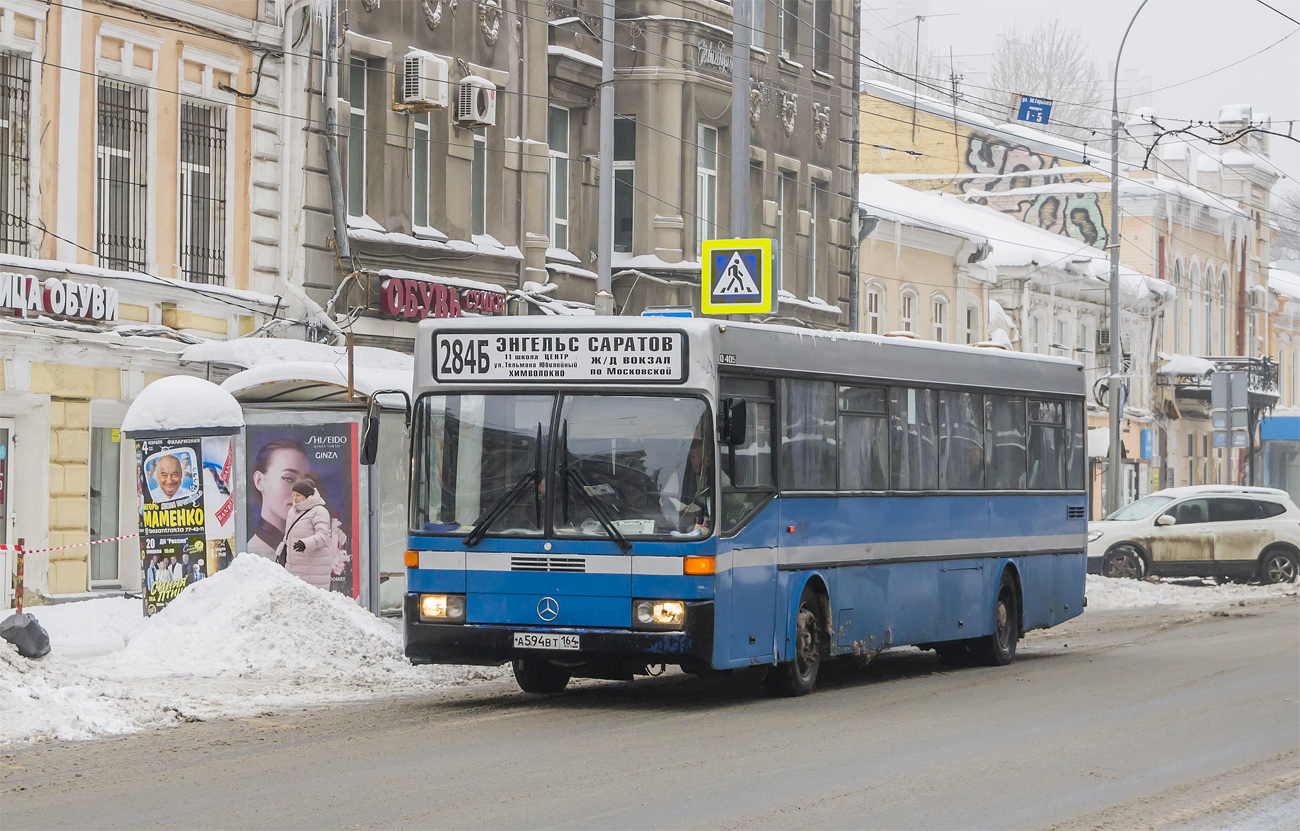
column 547, row 609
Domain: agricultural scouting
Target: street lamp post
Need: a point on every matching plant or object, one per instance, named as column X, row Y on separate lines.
column 1115, row 401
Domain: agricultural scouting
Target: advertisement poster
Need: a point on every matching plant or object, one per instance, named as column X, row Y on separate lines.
column 187, row 524
column 326, row 456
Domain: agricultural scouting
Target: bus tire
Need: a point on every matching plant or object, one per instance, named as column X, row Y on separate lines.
column 953, row 653
column 799, row 676
column 539, row 677
column 998, row 648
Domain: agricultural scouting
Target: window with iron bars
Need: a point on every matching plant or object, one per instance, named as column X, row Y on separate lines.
column 122, row 175
column 203, row 193
column 15, row 151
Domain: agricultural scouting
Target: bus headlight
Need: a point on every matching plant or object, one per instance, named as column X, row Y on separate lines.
column 658, row 614
column 442, row 608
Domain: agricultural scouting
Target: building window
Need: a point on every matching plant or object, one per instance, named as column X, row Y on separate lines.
column 875, row 303
column 786, row 190
column 1060, row 337
column 1179, row 300
column 907, row 311
column 478, row 185
column 203, row 193
column 420, row 171
column 1193, row 310
column 706, row 181
column 822, row 35
column 557, row 181
column 122, row 160
column 814, row 252
column 15, row 151
column 757, row 21
column 939, row 318
column 625, row 182
column 1038, row 333
column 1281, row 373
column 973, row 330
column 357, row 138
column 789, row 28
column 1224, row 347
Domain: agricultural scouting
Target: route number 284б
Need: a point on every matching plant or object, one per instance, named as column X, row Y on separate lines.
column 468, row 355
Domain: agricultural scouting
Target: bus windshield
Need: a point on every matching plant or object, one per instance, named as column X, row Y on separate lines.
column 641, row 465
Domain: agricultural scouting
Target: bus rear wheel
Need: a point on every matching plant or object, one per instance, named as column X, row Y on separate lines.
column 999, row 648
column 540, row 677
column 799, row 676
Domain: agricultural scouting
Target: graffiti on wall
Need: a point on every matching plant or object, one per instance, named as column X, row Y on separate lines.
column 1009, row 172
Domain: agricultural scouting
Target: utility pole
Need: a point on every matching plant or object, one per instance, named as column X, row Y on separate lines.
column 1116, row 400
column 740, row 22
column 605, row 246
column 855, row 290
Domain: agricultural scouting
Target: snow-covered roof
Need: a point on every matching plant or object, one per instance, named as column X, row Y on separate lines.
column 1185, row 365
column 251, row 352
column 313, row 381
column 1285, row 283
column 180, row 402
column 1013, row 243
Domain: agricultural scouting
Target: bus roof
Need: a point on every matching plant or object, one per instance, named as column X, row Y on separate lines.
column 733, row 346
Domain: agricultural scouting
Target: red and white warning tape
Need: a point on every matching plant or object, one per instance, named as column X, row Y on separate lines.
column 63, row 547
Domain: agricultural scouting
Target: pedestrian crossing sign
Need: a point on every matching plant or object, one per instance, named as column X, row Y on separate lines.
column 736, row 276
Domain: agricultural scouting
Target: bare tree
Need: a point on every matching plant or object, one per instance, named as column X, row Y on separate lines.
column 1286, row 225
column 1050, row 61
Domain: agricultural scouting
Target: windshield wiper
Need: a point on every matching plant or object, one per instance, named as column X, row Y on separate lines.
column 573, row 480
column 531, row 479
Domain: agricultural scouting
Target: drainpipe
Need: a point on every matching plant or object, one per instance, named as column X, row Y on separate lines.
column 330, row 93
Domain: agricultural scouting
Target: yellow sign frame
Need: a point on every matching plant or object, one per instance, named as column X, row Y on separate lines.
column 762, row 251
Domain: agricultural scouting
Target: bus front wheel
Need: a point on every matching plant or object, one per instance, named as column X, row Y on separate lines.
column 540, row 677
column 999, row 648
column 799, row 676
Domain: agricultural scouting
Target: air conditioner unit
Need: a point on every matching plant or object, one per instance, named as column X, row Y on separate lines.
column 423, row 82
column 1103, row 339
column 477, row 103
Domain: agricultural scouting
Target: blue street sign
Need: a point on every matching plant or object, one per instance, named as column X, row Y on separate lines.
column 1037, row 110
column 1146, row 450
column 667, row 311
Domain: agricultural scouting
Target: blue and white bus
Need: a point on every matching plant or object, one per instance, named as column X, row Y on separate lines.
column 593, row 497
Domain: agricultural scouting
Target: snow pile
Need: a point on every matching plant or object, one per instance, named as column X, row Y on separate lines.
column 249, row 638
column 1118, row 593
column 181, row 401
column 1185, row 365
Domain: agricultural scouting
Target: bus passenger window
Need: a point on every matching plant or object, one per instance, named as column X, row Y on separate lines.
column 914, row 460
column 1047, row 445
column 961, row 440
column 1075, row 463
column 1005, row 451
column 747, row 468
column 807, row 435
column 864, row 439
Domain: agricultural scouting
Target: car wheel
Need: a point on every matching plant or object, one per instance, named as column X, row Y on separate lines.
column 1278, row 566
column 1123, row 562
column 540, row 677
column 799, row 676
column 999, row 648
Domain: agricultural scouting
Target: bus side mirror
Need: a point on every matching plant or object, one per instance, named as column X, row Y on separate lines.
column 732, row 425
column 369, row 450
column 369, row 439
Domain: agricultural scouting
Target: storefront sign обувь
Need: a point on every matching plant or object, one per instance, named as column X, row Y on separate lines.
column 418, row 299
column 64, row 298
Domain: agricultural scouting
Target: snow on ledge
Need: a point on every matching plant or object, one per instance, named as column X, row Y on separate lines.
column 179, row 402
column 1185, row 365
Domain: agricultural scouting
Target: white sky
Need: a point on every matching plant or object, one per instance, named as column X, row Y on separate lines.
column 1171, row 42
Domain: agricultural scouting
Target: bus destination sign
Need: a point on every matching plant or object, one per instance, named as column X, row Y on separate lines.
column 619, row 357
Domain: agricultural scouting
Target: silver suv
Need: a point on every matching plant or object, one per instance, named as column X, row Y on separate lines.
column 1219, row 531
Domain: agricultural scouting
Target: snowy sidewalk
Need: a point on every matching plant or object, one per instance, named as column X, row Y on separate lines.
column 247, row 640
column 253, row 639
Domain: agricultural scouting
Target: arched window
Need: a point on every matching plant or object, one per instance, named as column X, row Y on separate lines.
column 1283, row 347
column 1193, row 309
column 907, row 310
column 875, row 308
column 939, row 317
column 1179, row 300
column 1038, row 332
column 1208, row 344
column 974, row 331
column 1225, row 284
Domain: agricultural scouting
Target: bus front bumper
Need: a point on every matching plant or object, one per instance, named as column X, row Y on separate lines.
column 493, row 644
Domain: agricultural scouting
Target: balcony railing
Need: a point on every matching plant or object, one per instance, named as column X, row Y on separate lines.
column 1261, row 379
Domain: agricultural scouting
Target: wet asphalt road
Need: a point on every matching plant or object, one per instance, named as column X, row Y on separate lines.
column 1144, row 719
